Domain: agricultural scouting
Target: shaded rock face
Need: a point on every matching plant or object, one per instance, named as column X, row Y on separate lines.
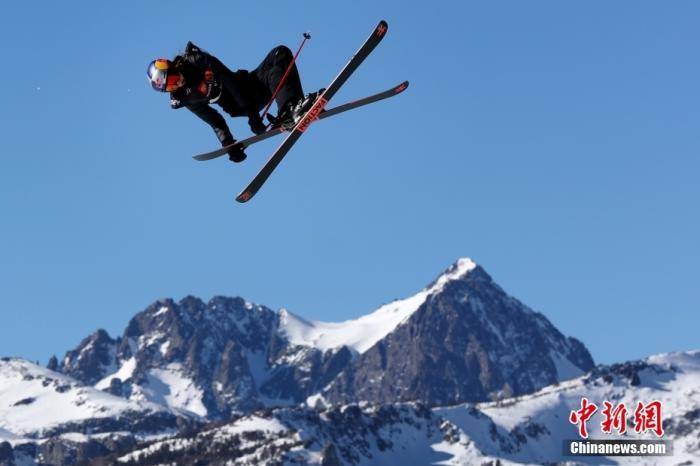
column 6, row 454
column 210, row 343
column 53, row 363
column 93, row 359
column 330, row 456
column 471, row 342
column 61, row 452
column 228, row 349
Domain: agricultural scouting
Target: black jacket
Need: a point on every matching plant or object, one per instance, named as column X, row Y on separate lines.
column 209, row 81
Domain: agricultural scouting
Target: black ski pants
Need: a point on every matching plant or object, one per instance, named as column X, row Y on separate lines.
column 270, row 72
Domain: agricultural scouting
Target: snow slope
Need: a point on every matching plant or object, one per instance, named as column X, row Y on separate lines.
column 167, row 386
column 170, row 387
column 386, row 436
column 523, row 430
column 532, row 428
column 34, row 399
column 361, row 334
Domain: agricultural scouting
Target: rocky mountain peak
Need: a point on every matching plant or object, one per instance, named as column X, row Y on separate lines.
column 92, row 359
column 457, row 271
column 464, row 339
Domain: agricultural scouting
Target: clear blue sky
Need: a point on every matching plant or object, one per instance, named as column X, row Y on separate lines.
column 555, row 143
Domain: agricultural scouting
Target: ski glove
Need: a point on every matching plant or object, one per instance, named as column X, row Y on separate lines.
column 236, row 154
column 256, row 124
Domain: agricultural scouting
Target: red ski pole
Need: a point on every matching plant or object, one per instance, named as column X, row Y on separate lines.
column 307, row 36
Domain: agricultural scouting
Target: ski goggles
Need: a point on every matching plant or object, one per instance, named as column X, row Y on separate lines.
column 159, row 77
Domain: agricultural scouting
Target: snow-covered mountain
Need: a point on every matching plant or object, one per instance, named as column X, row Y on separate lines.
column 179, row 365
column 203, row 359
column 49, row 416
column 462, row 338
column 531, row 429
column 361, row 334
column 347, row 435
column 523, row 430
column 37, row 402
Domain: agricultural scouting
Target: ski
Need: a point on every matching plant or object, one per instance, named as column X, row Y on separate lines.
column 314, row 112
column 327, row 113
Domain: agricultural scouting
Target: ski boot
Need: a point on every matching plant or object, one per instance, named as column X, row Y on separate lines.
column 305, row 104
column 285, row 117
column 292, row 112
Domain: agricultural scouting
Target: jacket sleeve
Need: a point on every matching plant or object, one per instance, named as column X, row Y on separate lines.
column 215, row 120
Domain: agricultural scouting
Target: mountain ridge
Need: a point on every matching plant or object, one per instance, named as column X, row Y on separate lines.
column 230, row 355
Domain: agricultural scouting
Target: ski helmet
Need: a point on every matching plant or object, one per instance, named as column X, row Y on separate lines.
column 162, row 76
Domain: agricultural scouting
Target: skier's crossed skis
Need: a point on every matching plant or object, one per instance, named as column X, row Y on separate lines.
column 315, row 112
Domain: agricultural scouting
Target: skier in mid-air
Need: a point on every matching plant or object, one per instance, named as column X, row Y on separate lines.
column 196, row 79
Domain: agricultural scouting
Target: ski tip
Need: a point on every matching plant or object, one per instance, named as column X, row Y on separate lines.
column 381, row 28
column 245, row 196
column 401, row 87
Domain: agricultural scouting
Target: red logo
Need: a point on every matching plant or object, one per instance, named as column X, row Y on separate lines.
column 208, row 75
column 614, row 418
column 381, row 29
column 245, row 197
column 203, row 88
column 400, row 88
column 582, row 416
column 312, row 114
column 648, row 417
